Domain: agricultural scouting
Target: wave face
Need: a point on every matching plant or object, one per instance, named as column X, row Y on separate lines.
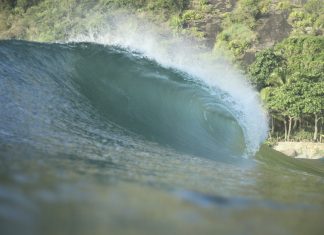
column 50, row 88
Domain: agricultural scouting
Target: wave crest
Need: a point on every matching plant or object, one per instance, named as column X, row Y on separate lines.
column 184, row 55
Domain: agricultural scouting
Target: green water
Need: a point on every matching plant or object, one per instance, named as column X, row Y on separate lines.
column 98, row 140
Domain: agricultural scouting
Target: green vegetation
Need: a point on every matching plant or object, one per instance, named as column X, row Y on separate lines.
column 289, row 74
column 238, row 36
column 287, row 68
column 235, row 39
column 308, row 19
column 290, row 77
column 42, row 20
column 48, row 20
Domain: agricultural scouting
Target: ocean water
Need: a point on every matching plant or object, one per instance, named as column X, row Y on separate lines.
column 104, row 139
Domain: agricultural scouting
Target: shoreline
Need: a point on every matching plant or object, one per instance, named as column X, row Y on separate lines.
column 305, row 150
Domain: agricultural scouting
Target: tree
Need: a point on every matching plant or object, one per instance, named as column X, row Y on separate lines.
column 290, row 78
column 288, row 100
column 304, row 55
column 313, row 103
column 267, row 65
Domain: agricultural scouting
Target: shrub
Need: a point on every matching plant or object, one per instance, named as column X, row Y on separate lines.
column 237, row 39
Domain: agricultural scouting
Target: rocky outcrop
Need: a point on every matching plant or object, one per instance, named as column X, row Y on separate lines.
column 308, row 150
column 273, row 28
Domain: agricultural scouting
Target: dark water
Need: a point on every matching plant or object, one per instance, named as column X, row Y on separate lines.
column 98, row 140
